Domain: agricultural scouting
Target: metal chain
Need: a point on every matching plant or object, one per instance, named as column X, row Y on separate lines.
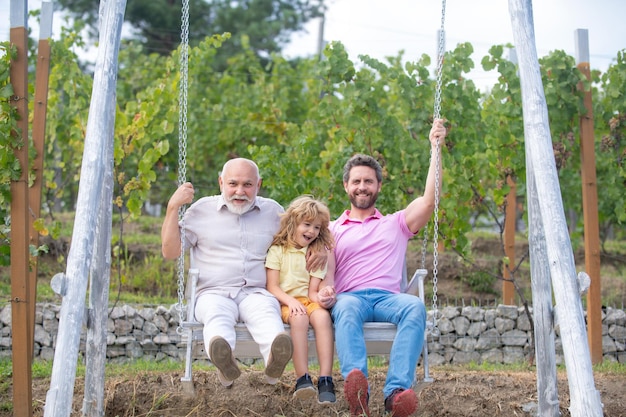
column 440, row 55
column 182, row 150
column 436, row 155
column 424, row 245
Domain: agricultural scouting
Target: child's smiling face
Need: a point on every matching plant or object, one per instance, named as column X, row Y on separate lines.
column 307, row 231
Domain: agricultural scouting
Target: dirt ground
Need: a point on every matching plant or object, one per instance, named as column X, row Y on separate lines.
column 454, row 392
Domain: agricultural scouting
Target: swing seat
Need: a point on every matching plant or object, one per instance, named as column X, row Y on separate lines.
column 378, row 335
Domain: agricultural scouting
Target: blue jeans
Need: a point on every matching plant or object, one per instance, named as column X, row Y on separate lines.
column 406, row 311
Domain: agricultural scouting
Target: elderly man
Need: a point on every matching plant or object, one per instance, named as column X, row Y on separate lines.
column 228, row 236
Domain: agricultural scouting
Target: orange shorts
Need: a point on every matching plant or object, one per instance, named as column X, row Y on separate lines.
column 306, row 302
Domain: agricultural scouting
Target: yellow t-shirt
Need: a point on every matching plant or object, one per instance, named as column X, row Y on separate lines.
column 291, row 262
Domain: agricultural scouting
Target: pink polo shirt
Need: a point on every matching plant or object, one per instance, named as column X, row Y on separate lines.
column 370, row 253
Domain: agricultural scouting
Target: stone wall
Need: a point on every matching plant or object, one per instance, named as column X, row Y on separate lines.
column 503, row 335
column 465, row 334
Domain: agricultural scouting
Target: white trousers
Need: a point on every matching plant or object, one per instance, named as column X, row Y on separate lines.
column 259, row 312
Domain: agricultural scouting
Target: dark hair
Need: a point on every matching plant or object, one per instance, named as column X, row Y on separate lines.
column 362, row 160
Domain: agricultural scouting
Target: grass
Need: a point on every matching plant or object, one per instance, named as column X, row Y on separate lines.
column 606, row 367
column 43, row 369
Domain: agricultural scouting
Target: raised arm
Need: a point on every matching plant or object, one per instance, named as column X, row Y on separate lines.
column 170, row 232
column 419, row 211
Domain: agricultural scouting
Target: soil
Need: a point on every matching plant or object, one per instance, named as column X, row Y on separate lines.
column 454, row 392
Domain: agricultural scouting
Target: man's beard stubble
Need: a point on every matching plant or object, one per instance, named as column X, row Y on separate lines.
column 361, row 204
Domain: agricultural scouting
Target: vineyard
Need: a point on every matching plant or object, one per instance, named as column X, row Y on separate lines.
column 301, row 119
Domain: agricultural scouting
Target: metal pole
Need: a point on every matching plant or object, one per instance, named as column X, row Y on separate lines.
column 321, row 44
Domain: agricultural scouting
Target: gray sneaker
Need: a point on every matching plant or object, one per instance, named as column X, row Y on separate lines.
column 304, row 388
column 221, row 356
column 280, row 355
column 326, row 390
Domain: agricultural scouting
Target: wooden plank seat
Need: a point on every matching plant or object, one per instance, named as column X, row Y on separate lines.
column 378, row 335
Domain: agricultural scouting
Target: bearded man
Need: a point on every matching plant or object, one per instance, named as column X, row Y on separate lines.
column 228, row 236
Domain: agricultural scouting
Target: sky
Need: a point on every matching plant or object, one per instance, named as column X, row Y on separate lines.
column 381, row 28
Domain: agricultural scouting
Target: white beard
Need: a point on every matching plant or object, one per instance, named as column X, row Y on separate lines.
column 237, row 208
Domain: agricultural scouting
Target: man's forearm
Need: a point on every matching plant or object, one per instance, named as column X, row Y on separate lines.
column 435, row 164
column 170, row 235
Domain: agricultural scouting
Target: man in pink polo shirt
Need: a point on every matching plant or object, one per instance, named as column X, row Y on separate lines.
column 370, row 252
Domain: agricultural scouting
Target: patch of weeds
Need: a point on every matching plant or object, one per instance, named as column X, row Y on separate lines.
column 6, row 406
column 41, row 369
column 143, row 365
column 480, row 281
column 494, row 367
column 157, row 274
column 6, row 380
column 151, row 281
column 609, row 367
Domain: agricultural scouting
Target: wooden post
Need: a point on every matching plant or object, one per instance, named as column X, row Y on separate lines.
column 99, row 279
column 91, row 192
column 590, row 206
column 508, row 289
column 42, row 72
column 22, row 303
column 543, row 314
column 96, row 345
column 584, row 398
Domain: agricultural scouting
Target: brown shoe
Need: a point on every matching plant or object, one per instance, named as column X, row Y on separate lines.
column 401, row 402
column 221, row 355
column 280, row 355
column 356, row 392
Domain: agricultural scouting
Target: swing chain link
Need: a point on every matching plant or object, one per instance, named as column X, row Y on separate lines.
column 182, row 152
column 441, row 47
column 437, row 158
column 436, row 155
column 424, row 245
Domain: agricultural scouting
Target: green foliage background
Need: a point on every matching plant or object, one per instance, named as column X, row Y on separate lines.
column 300, row 120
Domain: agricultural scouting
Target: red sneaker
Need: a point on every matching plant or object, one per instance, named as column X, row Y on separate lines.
column 401, row 402
column 356, row 392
